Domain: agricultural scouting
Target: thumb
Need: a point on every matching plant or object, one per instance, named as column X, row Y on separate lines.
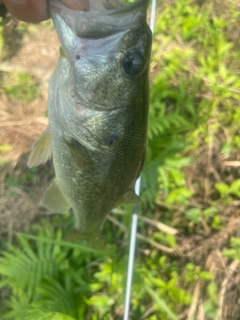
column 27, row 10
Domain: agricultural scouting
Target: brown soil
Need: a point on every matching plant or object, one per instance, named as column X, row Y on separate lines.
column 21, row 123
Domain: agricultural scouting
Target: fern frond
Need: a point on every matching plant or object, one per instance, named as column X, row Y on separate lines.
column 25, row 269
column 41, row 279
column 35, row 314
column 18, row 308
column 64, row 244
column 168, row 124
column 55, row 297
column 53, row 316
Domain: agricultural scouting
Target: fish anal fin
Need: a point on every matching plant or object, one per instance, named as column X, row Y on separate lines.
column 54, row 199
column 41, row 150
column 94, row 239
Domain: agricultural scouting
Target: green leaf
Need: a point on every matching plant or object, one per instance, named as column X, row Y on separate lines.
column 56, row 316
column 101, row 302
column 223, row 188
column 232, row 253
column 211, row 211
column 212, row 290
column 235, row 187
column 211, row 309
column 37, row 314
column 205, row 275
column 171, row 240
column 160, row 303
column 194, row 214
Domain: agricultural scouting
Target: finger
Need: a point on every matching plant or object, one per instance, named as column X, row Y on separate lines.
column 37, row 10
column 28, row 10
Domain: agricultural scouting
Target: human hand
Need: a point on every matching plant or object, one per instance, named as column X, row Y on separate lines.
column 37, row 10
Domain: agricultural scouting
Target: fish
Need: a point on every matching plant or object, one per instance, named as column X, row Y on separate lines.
column 98, row 111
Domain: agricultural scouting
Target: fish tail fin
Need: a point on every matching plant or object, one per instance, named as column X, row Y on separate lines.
column 93, row 238
column 131, row 198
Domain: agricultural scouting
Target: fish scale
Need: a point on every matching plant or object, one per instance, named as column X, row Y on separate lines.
column 98, row 109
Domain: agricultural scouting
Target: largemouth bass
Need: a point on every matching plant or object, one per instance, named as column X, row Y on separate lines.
column 98, row 110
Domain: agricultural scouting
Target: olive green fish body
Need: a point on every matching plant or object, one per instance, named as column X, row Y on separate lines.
column 98, row 108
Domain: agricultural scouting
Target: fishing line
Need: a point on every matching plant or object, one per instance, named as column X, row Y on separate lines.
column 135, row 211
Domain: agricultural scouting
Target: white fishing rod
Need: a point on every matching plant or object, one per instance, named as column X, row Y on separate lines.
column 135, row 212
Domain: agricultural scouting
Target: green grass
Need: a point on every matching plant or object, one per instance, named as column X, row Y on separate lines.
column 20, row 86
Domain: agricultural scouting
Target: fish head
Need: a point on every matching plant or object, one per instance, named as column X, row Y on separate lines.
column 108, row 52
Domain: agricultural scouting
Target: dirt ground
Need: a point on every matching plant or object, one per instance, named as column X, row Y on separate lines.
column 21, row 123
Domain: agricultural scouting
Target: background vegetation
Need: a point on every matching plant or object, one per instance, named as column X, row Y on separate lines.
column 187, row 261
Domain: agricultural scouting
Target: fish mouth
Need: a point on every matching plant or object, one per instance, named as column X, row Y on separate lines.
column 102, row 18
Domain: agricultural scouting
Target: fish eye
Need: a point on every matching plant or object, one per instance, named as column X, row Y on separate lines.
column 133, row 62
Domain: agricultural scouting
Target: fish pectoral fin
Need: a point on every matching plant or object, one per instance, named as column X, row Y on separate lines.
column 78, row 153
column 101, row 130
column 54, row 199
column 41, row 150
column 131, row 198
column 94, row 239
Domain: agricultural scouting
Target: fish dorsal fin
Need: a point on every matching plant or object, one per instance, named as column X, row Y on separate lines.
column 131, row 198
column 54, row 199
column 41, row 150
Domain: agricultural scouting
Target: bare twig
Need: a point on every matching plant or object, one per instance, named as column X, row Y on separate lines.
column 233, row 266
column 205, row 226
column 116, row 222
column 42, row 120
column 147, row 313
column 139, row 236
column 156, row 244
column 194, row 304
column 160, row 226
column 235, row 2
column 201, row 311
column 232, row 163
